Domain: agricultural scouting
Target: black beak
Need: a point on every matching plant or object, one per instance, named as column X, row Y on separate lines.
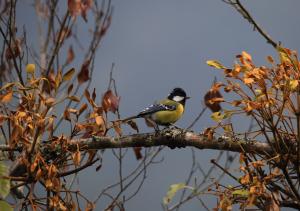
column 187, row 97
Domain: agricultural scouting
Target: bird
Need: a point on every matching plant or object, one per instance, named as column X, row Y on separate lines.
column 164, row 112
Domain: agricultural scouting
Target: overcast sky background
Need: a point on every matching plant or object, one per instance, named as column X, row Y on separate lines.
column 161, row 44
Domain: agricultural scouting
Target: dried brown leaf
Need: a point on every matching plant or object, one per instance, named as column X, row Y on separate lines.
column 83, row 75
column 133, row 125
column 212, row 100
column 138, row 152
column 70, row 55
column 110, row 102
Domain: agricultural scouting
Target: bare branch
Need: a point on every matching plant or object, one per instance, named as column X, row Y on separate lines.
column 237, row 5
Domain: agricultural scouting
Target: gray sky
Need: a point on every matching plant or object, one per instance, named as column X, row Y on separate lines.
column 160, row 44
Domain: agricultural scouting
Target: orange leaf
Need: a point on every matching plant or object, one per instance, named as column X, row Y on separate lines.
column 99, row 120
column 7, row 97
column 74, row 7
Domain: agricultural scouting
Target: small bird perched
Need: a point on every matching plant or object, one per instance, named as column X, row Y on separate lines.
column 165, row 112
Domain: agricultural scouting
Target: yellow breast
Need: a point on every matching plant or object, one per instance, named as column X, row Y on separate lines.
column 169, row 117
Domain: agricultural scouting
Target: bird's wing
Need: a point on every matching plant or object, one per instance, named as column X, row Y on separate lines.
column 155, row 108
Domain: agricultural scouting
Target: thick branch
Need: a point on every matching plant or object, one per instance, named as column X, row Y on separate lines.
column 172, row 138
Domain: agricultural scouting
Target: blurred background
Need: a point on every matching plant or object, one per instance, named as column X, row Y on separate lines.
column 161, row 44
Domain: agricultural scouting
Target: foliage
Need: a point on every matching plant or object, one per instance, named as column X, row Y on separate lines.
column 270, row 96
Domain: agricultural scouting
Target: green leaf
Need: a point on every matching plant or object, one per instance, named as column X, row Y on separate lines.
column 173, row 190
column 4, row 183
column 241, row 192
column 5, row 206
column 218, row 116
column 215, row 64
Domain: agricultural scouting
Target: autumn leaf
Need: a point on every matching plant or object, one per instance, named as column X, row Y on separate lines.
column 67, row 115
column 82, row 109
column 241, row 192
column 4, row 183
column 138, row 152
column 14, row 50
column 58, row 79
column 247, row 56
column 215, row 64
column 94, row 95
column 212, row 100
column 74, row 7
column 110, row 102
column 99, row 120
column 133, row 125
column 70, row 88
column 76, row 157
column 50, row 101
column 70, row 55
column 83, row 75
column 173, row 190
column 74, row 98
column 293, row 84
column 68, row 75
column 6, row 98
column 117, row 128
column 248, row 80
column 217, row 116
column 7, row 86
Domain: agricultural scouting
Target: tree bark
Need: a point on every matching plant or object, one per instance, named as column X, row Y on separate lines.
column 174, row 138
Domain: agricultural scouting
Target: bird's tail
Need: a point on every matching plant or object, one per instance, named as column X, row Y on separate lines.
column 129, row 118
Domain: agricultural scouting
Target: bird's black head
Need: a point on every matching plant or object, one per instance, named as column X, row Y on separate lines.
column 178, row 95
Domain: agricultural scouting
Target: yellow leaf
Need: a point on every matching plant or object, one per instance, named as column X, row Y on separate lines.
column 293, row 84
column 173, row 190
column 76, row 158
column 74, row 98
column 58, row 79
column 7, row 85
column 283, row 55
column 246, row 56
column 30, row 68
column 215, row 64
column 68, row 75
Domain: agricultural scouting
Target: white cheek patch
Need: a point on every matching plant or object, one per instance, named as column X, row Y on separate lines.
column 178, row 98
